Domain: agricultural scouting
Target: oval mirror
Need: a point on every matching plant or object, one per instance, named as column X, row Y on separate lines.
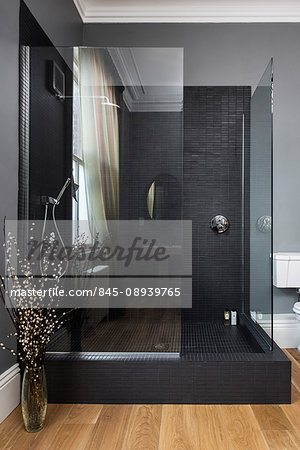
column 164, row 198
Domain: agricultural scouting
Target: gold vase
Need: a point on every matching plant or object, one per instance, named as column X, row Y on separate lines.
column 34, row 398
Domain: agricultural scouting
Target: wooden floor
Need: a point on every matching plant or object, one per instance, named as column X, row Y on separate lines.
column 165, row 427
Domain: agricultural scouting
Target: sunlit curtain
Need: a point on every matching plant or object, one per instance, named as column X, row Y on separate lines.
column 100, row 140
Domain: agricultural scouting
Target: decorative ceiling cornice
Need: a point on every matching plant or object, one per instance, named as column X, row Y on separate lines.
column 228, row 11
column 136, row 95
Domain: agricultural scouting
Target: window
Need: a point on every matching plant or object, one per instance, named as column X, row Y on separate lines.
column 79, row 206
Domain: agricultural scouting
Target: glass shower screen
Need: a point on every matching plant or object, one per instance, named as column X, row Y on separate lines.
column 260, row 185
column 127, row 162
column 113, row 121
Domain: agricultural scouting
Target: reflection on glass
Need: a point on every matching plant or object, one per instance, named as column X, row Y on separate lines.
column 163, row 199
column 150, row 200
column 261, row 201
column 127, row 160
column 100, row 139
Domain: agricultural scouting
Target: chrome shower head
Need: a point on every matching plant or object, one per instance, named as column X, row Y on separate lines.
column 108, row 103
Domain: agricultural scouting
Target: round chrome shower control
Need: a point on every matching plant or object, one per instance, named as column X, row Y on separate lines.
column 264, row 224
column 219, row 223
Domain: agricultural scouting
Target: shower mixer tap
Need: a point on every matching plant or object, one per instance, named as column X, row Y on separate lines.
column 219, row 223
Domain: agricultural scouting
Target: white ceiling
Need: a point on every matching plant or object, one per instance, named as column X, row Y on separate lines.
column 114, row 11
column 152, row 77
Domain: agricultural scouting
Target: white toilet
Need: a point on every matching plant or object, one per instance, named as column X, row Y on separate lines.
column 286, row 274
column 296, row 310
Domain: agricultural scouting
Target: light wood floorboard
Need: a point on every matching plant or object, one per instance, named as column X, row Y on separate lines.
column 163, row 427
column 293, row 411
column 243, row 428
column 295, row 367
column 177, row 428
column 143, row 428
column 83, row 414
column 295, row 354
column 280, row 440
column 111, row 427
column 210, row 427
column 271, row 417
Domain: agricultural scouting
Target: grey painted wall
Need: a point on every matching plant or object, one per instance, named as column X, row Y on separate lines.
column 9, row 51
column 59, row 19
column 63, row 25
column 237, row 54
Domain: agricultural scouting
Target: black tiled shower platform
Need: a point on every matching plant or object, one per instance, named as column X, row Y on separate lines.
column 215, row 339
column 132, row 336
column 217, row 365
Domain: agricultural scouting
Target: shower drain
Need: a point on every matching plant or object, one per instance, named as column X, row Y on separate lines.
column 161, row 346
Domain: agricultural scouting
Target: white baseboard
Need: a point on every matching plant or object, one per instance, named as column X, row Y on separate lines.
column 286, row 330
column 9, row 391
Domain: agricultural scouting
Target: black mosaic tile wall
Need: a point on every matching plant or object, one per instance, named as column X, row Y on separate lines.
column 50, row 157
column 212, row 180
column 45, row 168
column 30, row 34
column 151, row 149
column 208, row 162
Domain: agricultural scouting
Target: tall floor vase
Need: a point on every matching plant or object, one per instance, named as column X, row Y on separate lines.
column 34, row 398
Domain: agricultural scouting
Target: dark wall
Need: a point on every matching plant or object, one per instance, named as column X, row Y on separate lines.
column 59, row 19
column 63, row 24
column 208, row 165
column 50, row 158
column 212, row 185
column 151, row 150
column 50, row 124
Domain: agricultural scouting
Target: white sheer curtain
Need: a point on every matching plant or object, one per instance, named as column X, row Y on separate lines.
column 100, row 140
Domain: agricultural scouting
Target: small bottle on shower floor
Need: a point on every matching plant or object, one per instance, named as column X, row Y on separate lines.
column 226, row 317
column 233, row 317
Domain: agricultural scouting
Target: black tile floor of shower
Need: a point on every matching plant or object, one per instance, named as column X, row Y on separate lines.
column 135, row 331
column 216, row 338
column 149, row 332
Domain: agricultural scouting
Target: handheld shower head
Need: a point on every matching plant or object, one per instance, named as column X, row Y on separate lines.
column 61, row 193
column 47, row 200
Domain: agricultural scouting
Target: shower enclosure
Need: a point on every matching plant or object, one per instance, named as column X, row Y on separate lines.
column 182, row 152
column 145, row 147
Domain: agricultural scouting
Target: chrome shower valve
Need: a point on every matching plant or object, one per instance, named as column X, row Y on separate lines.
column 219, row 223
